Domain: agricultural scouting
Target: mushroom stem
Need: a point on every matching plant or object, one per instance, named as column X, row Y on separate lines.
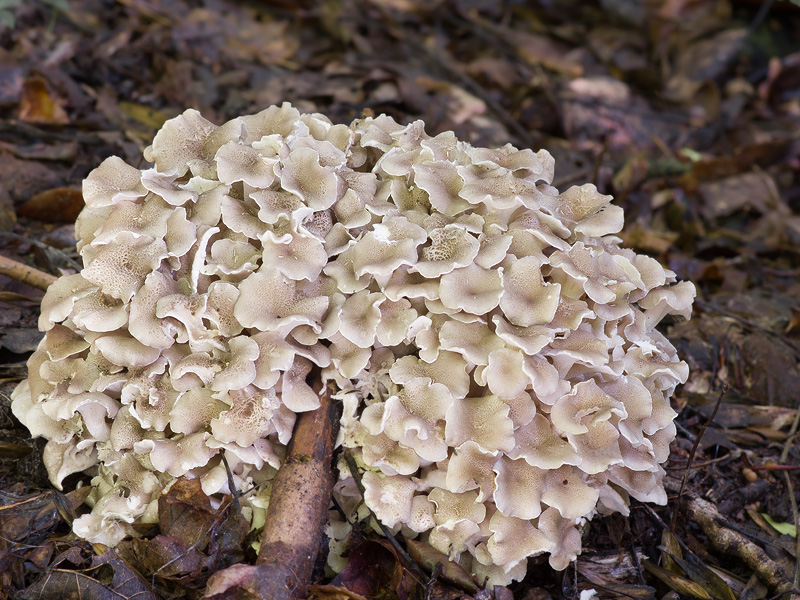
column 25, row 274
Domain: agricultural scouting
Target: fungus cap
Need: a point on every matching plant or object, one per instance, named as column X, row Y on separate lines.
column 494, row 347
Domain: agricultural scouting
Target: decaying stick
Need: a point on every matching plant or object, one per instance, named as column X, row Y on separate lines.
column 296, row 516
column 25, row 274
column 728, row 541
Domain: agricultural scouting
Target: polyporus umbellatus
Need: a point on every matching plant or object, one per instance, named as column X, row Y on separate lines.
column 493, row 346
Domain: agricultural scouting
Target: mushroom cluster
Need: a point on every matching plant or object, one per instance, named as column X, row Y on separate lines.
column 493, row 346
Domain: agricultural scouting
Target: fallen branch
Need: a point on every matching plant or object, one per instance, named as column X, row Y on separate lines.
column 296, row 516
column 25, row 274
column 732, row 543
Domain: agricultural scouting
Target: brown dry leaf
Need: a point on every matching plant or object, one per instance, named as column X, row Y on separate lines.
column 678, row 22
column 772, row 417
column 57, row 205
column 675, row 582
column 756, row 191
column 639, row 237
column 196, row 540
column 461, row 105
column 622, row 50
column 762, row 523
column 497, row 71
column 539, row 50
column 602, row 109
column 164, row 556
column 609, row 579
column 240, row 33
column 671, row 548
column 368, row 569
column 794, row 323
column 408, row 5
column 702, row 61
column 26, row 178
column 10, row 78
column 185, row 512
column 227, row 543
column 630, row 176
column 38, row 105
column 147, row 116
column 12, row 450
column 107, row 577
column 754, row 590
column 8, row 216
column 700, row 573
column 332, row 592
column 783, row 80
column 710, row 168
column 66, row 151
column 24, row 517
column 428, row 558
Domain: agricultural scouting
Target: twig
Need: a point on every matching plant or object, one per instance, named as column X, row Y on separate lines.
column 413, row 568
column 634, row 557
column 725, row 540
column 693, row 451
column 712, row 307
column 792, row 499
column 46, row 247
column 705, row 463
column 62, row 135
column 296, row 515
column 775, row 467
column 763, row 11
column 25, row 274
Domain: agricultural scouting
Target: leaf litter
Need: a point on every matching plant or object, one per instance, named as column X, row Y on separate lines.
column 688, row 111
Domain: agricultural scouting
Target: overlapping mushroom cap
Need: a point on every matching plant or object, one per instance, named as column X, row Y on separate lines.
column 494, row 347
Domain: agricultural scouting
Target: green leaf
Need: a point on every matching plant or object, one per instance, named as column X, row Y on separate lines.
column 692, row 155
column 783, row 528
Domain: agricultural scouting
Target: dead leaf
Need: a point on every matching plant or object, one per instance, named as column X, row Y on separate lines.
column 23, row 517
column 603, row 109
column 703, row 61
column 38, row 105
column 755, row 190
column 640, row 237
column 107, row 577
column 461, row 105
column 147, row 116
column 20, row 339
column 429, row 557
column 55, row 151
column 630, row 176
column 332, row 592
column 675, row 582
column 26, row 178
column 671, row 548
column 56, row 205
column 185, row 512
column 700, row 573
column 794, row 323
column 497, row 71
column 12, row 450
column 10, row 78
column 539, row 50
column 368, row 569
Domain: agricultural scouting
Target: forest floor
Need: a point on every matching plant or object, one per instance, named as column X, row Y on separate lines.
column 687, row 111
